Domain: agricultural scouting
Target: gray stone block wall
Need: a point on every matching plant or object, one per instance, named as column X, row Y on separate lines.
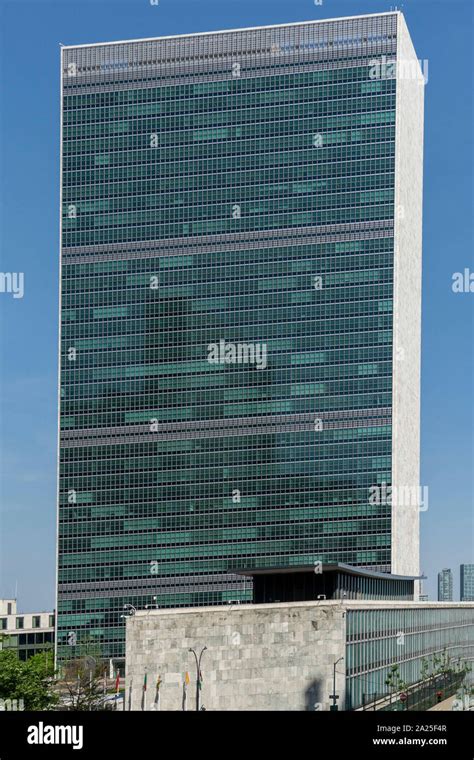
column 270, row 657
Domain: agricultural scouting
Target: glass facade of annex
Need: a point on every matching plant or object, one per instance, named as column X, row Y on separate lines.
column 229, row 193
column 378, row 639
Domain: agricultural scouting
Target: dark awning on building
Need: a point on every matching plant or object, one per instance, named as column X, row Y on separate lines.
column 327, row 567
column 326, row 580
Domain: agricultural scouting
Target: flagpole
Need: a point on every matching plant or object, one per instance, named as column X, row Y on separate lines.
column 117, row 688
column 198, row 673
column 185, row 691
column 144, row 691
column 157, row 693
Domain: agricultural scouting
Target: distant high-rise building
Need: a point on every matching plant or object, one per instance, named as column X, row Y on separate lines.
column 445, row 585
column 240, row 313
column 422, row 596
column 467, row 583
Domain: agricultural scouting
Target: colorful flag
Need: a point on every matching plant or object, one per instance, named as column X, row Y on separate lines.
column 157, row 693
column 186, row 683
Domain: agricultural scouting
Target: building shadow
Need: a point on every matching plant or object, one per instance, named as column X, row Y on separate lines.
column 314, row 696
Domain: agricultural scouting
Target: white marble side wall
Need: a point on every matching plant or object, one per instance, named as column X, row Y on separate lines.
column 407, row 306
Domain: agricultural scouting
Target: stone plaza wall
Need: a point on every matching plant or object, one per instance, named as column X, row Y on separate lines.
column 265, row 657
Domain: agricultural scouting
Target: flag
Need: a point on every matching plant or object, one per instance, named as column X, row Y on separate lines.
column 144, row 692
column 185, row 687
column 157, row 693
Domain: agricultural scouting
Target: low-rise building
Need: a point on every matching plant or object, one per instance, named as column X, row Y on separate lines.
column 28, row 633
column 296, row 655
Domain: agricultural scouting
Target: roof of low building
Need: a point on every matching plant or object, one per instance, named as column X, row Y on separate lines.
column 327, row 567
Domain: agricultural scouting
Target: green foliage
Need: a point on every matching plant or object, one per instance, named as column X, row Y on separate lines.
column 31, row 680
column 443, row 666
column 394, row 680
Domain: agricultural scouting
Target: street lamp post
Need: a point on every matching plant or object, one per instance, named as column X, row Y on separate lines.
column 129, row 609
column 334, row 696
column 198, row 673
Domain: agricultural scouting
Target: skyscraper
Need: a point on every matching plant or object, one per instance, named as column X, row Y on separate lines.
column 467, row 583
column 445, row 585
column 240, row 313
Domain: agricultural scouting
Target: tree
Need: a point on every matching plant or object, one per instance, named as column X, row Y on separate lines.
column 394, row 681
column 31, row 680
column 442, row 666
column 424, row 669
column 443, row 671
column 83, row 685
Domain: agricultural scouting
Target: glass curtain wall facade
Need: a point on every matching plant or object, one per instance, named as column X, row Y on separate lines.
column 378, row 639
column 445, row 585
column 467, row 583
column 227, row 260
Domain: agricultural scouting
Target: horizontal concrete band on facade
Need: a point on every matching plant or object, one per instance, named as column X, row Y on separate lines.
column 162, row 75
column 238, row 241
column 326, row 36
column 168, row 585
column 131, row 58
column 377, row 18
column 222, row 428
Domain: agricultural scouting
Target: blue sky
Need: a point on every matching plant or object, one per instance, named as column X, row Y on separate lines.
column 29, row 170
